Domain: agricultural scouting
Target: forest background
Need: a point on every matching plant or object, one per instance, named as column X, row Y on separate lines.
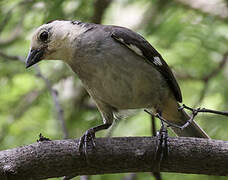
column 191, row 35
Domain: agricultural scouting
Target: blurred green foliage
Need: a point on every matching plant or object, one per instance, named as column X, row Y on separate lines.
column 193, row 42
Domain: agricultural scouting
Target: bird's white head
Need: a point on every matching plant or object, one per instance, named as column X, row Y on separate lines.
column 53, row 41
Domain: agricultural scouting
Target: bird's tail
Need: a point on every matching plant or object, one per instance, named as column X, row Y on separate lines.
column 179, row 117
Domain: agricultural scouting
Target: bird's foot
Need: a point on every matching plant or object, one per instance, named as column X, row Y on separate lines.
column 162, row 150
column 89, row 137
column 85, row 141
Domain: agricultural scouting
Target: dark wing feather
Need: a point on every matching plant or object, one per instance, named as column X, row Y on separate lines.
column 145, row 49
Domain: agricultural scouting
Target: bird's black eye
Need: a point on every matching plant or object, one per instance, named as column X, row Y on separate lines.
column 44, row 36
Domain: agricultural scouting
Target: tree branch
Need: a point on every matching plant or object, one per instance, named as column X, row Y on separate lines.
column 5, row 20
column 206, row 79
column 99, row 9
column 12, row 57
column 54, row 93
column 22, row 105
column 59, row 109
column 14, row 35
column 113, row 155
column 224, row 113
column 216, row 8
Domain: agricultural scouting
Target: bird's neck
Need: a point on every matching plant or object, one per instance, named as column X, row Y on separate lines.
column 70, row 33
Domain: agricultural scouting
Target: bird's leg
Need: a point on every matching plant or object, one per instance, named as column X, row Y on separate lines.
column 89, row 136
column 162, row 146
column 162, row 150
column 155, row 171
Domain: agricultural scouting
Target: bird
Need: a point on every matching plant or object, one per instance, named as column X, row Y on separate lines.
column 119, row 69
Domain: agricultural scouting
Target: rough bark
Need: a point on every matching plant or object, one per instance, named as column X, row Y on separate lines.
column 113, row 155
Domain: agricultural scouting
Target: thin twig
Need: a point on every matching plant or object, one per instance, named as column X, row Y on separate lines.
column 10, row 57
column 208, row 76
column 58, row 107
column 59, row 110
column 17, row 30
column 15, row 34
column 194, row 114
column 5, row 20
column 224, row 113
column 206, row 79
column 218, row 69
column 202, row 93
column 162, row 119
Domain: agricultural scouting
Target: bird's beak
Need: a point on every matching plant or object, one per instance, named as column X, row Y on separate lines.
column 34, row 56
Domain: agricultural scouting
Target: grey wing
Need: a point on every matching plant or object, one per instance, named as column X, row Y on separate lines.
column 143, row 48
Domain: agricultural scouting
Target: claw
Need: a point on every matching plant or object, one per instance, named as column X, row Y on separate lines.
column 162, row 147
column 165, row 147
column 84, row 141
column 81, row 143
column 89, row 137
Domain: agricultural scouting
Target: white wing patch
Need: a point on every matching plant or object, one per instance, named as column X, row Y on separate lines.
column 131, row 46
column 121, row 40
column 157, row 61
column 135, row 49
